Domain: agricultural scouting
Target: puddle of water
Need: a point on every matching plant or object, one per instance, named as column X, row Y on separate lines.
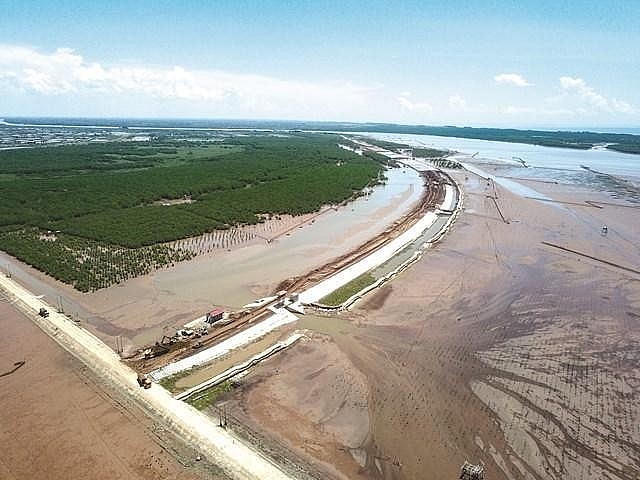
column 507, row 183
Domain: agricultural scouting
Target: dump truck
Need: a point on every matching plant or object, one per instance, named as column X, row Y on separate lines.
column 144, row 381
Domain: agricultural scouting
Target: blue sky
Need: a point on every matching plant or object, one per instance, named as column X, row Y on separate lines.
column 522, row 63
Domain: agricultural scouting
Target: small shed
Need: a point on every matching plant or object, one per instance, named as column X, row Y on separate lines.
column 214, row 315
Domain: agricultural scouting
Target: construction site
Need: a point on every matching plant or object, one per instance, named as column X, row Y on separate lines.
column 218, row 325
column 506, row 352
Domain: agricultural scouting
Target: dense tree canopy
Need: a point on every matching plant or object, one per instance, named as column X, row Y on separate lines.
column 130, row 195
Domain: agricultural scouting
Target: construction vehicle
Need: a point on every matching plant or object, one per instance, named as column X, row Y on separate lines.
column 144, row 381
column 168, row 340
column 44, row 313
column 470, row 471
column 156, row 350
column 214, row 315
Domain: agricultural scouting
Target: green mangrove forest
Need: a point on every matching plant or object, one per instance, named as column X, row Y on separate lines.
column 95, row 214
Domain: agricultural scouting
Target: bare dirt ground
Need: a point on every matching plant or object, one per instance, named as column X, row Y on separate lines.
column 324, row 420
column 494, row 348
column 56, row 422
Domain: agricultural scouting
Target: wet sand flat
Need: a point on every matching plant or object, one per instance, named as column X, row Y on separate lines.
column 495, row 347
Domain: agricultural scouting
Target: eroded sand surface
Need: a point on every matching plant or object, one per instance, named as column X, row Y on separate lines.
column 494, row 348
column 324, row 418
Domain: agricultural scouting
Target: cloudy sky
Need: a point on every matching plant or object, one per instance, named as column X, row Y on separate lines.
column 522, row 63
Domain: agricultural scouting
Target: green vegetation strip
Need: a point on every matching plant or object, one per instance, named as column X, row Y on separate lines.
column 169, row 383
column 341, row 295
column 622, row 142
column 417, row 151
column 430, row 152
column 209, row 396
column 85, row 264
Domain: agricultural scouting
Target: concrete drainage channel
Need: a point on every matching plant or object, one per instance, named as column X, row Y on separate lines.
column 450, row 208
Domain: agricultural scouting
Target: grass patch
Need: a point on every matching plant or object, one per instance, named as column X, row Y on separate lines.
column 339, row 296
column 169, row 383
column 208, row 397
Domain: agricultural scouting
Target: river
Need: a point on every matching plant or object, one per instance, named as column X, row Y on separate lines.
column 599, row 159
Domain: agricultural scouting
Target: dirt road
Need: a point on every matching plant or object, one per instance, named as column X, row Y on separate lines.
column 202, row 434
column 58, row 423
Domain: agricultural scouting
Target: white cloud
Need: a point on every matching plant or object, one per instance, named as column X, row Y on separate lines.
column 456, row 102
column 589, row 97
column 511, row 79
column 622, row 106
column 407, row 104
column 64, row 72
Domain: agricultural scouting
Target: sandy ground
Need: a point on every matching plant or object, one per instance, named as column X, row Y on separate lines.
column 494, row 348
column 56, row 422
